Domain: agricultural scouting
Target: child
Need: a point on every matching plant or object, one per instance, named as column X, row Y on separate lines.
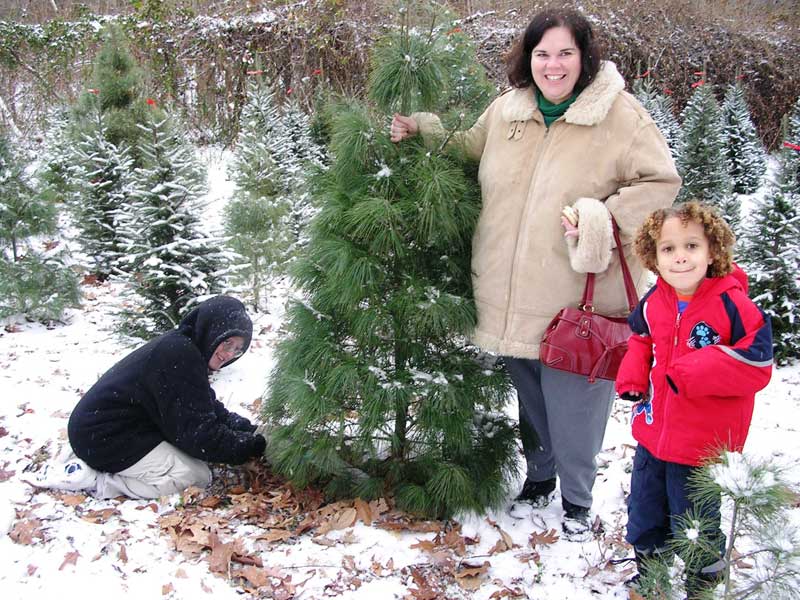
column 699, row 352
column 150, row 424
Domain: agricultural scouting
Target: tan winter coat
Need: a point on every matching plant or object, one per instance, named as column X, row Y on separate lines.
column 605, row 154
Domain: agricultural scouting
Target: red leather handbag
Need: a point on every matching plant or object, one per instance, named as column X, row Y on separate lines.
column 581, row 341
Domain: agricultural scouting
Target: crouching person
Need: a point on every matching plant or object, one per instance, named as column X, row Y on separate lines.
column 151, row 423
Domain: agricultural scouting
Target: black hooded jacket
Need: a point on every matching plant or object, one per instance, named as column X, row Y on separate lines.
column 160, row 392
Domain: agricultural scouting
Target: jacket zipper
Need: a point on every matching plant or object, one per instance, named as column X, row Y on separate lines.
column 545, row 143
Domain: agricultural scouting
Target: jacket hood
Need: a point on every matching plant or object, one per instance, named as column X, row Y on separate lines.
column 214, row 321
column 590, row 107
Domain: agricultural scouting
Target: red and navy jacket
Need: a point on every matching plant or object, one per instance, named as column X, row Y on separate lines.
column 698, row 371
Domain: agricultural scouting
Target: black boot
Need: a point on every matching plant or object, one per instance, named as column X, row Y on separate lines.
column 653, row 572
column 706, row 579
column 577, row 524
column 537, row 493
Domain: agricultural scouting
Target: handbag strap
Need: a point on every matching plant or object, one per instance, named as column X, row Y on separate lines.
column 630, row 289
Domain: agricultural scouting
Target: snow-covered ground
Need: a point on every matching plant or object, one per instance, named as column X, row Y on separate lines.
column 271, row 541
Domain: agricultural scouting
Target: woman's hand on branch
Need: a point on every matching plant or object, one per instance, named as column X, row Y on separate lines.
column 402, row 127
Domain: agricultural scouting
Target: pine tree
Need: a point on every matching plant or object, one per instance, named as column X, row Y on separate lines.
column 767, row 566
column 116, row 91
column 257, row 220
column 99, row 174
column 771, row 251
column 302, row 159
column 35, row 284
column 702, row 162
column 274, row 159
column 789, row 156
column 747, row 162
column 168, row 261
column 661, row 110
column 376, row 391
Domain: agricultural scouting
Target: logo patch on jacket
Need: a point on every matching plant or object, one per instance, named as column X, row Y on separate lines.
column 702, row 335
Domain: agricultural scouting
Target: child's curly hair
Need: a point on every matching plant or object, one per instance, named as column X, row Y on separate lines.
column 719, row 234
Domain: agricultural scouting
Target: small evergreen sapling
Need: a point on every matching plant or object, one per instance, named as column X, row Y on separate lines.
column 36, row 284
column 376, row 391
column 99, row 175
column 167, row 260
column 702, row 162
column 271, row 206
column 747, row 162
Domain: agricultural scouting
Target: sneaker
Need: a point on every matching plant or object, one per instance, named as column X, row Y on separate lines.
column 537, row 493
column 73, row 476
column 577, row 525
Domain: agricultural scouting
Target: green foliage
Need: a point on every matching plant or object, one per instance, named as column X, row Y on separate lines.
column 771, row 251
column 375, row 390
column 266, row 219
column 40, row 287
column 116, row 93
column 702, row 163
column 22, row 213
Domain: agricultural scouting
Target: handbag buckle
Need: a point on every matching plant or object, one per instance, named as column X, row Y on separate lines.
column 586, row 308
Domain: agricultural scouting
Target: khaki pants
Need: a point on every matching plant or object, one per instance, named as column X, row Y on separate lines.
column 162, row 471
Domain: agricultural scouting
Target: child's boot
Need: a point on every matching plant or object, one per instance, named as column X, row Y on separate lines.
column 704, row 580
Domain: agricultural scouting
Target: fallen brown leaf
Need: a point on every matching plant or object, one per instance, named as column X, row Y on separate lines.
column 123, row 553
column 99, row 516
column 167, row 589
column 470, row 577
column 25, row 531
column 543, row 538
column 275, row 535
column 31, row 569
column 255, row 575
column 6, row 475
column 181, row 574
column 70, row 558
column 364, row 511
column 73, row 499
column 210, row 502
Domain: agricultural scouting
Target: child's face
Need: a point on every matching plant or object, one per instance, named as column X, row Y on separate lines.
column 682, row 255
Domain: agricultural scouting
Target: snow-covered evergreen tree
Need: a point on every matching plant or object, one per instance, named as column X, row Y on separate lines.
column 376, row 391
column 661, row 110
column 747, row 161
column 34, row 283
column 303, row 157
column 789, row 156
column 702, row 162
column 771, row 251
column 257, row 219
column 168, row 261
column 100, row 174
column 274, row 157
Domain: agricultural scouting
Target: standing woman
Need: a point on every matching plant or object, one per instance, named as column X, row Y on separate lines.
column 565, row 135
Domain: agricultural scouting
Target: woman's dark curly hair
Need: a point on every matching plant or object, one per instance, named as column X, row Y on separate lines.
column 719, row 235
column 518, row 62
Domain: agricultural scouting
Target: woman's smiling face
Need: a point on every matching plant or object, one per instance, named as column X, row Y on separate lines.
column 556, row 64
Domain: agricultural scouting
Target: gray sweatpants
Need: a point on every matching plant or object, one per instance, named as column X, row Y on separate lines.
column 562, row 420
column 164, row 470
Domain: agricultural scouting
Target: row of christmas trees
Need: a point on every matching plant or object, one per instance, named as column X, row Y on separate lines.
column 130, row 183
column 719, row 157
